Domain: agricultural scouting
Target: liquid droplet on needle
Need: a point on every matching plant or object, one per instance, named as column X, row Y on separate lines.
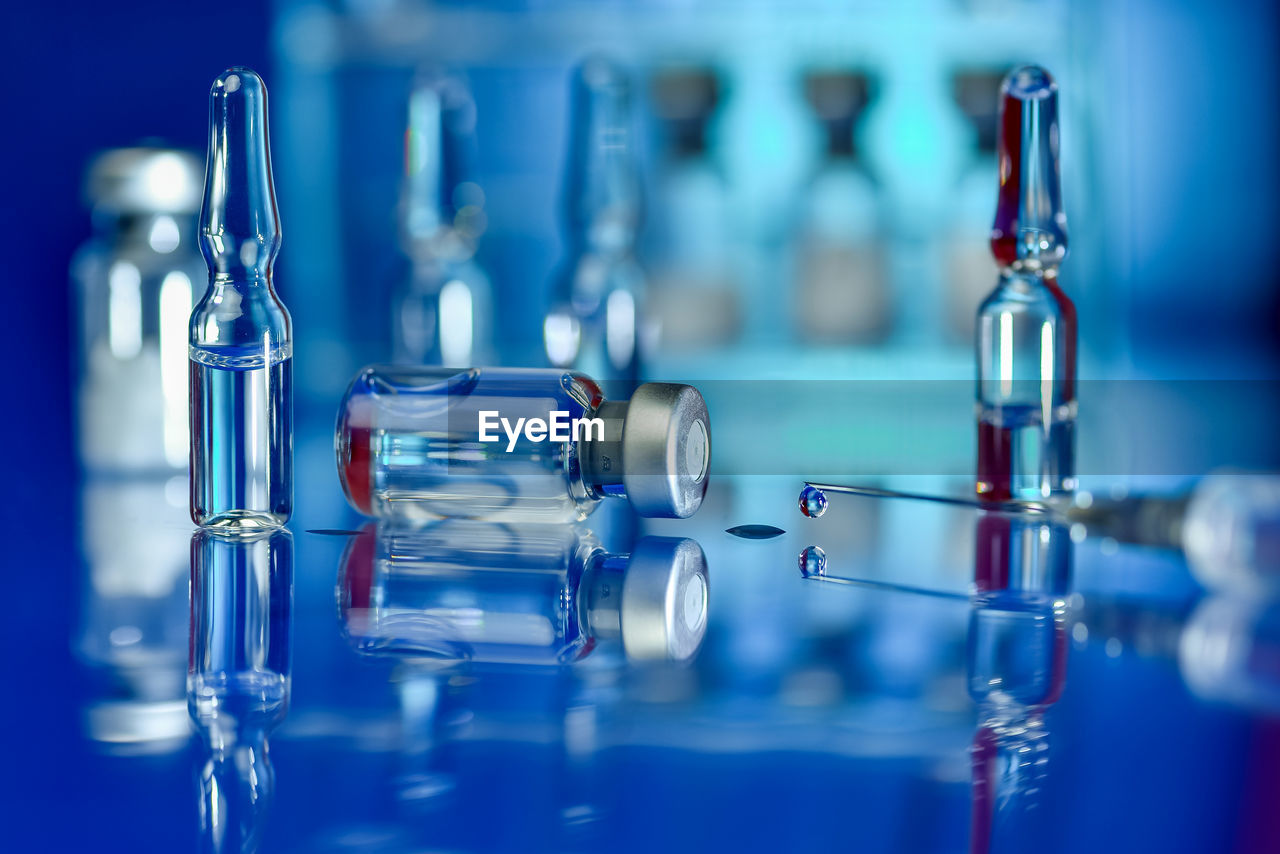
column 813, row 502
column 813, row 562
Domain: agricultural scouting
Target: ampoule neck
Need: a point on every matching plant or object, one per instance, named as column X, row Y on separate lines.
column 1030, row 227
column 239, row 220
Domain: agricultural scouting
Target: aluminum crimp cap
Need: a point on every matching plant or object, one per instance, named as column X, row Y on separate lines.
column 666, row 450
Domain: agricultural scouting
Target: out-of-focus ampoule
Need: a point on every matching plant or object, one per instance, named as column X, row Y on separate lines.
column 464, row 591
column 238, row 677
column 519, row 445
column 442, row 305
column 134, row 282
column 595, row 321
column 1026, row 332
column 241, row 339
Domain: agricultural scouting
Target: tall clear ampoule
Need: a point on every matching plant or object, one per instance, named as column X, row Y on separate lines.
column 1026, row 330
column 594, row 323
column 517, row 445
column 442, row 304
column 241, row 339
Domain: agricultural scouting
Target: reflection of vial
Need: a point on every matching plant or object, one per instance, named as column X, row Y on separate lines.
column 479, row 592
column 420, row 443
column 594, row 322
column 1026, row 337
column 238, row 678
column 442, row 305
column 241, row 341
column 134, row 283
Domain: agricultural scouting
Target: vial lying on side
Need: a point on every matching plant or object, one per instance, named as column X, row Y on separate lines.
column 519, row 445
column 1026, row 331
column 241, row 340
column 464, row 591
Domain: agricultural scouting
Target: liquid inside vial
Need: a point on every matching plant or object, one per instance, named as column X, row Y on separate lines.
column 1021, row 456
column 242, row 425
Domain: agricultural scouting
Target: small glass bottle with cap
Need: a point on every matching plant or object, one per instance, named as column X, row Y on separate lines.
column 465, row 591
column 134, row 281
column 517, row 445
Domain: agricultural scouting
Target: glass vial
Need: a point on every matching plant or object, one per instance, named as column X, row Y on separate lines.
column 442, row 301
column 423, row 443
column 464, row 591
column 1026, row 330
column 842, row 292
column 241, row 340
column 594, row 322
column 134, row 282
column 238, row 679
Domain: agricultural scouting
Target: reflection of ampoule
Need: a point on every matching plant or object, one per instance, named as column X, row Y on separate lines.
column 238, row 679
column 442, row 305
column 1026, row 337
column 461, row 591
column 594, row 323
column 241, row 341
column 1016, row 664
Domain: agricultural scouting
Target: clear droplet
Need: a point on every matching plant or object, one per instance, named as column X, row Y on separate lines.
column 813, row 502
column 813, row 562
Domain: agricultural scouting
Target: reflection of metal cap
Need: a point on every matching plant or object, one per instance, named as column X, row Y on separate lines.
column 146, row 180
column 664, row 599
column 666, row 450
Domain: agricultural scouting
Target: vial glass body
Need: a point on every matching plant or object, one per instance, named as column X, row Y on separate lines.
column 1026, row 400
column 407, row 444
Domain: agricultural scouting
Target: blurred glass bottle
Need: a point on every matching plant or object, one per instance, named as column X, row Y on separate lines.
column 1016, row 664
column 595, row 322
column 1026, row 335
column 969, row 265
column 463, row 591
column 842, row 293
column 695, row 300
column 132, row 635
column 442, row 304
column 238, row 677
column 426, row 443
column 134, row 283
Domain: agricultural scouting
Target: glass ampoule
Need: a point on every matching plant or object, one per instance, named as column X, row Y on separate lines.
column 442, row 303
column 238, row 676
column 411, row 445
column 134, row 281
column 466, row 591
column 594, row 324
column 241, row 339
column 1026, row 329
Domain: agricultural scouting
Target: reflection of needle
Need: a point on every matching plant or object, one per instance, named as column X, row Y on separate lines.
column 890, row 587
column 1032, row 507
